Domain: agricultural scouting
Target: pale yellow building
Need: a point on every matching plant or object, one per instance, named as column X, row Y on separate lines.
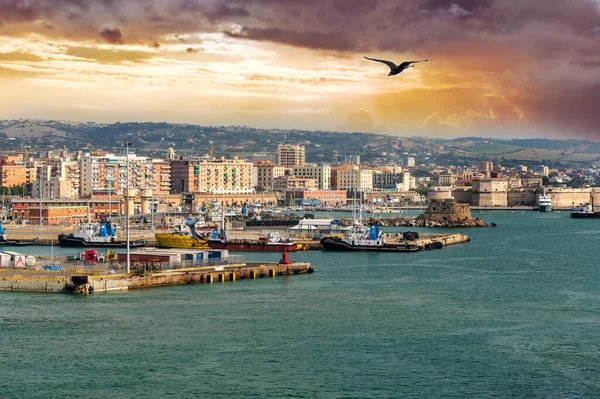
column 293, row 183
column 211, row 176
column 352, row 178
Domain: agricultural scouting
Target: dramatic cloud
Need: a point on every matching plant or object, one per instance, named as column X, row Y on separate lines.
column 518, row 65
column 112, row 36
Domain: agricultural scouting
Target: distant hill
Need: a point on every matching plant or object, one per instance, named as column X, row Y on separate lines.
column 154, row 139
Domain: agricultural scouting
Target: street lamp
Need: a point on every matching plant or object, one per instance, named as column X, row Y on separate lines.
column 127, row 145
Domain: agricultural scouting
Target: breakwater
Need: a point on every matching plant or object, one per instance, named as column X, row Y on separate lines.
column 415, row 222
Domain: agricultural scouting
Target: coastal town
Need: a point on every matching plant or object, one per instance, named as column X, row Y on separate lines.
column 43, row 185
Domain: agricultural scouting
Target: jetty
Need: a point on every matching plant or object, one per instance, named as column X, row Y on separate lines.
column 88, row 278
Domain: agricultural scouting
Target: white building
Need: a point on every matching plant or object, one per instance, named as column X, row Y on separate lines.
column 408, row 162
column 107, row 172
column 57, row 178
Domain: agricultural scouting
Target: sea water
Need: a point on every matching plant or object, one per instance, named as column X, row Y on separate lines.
column 513, row 313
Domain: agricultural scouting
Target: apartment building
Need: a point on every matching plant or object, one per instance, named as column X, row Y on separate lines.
column 13, row 175
column 56, row 178
column 290, row 155
column 293, row 183
column 230, row 176
column 108, row 172
column 161, row 177
column 265, row 172
column 351, row 178
column 321, row 173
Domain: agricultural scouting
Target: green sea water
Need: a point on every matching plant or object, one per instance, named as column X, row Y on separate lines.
column 513, row 313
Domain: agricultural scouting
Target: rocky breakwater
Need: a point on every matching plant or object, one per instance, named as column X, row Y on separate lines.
column 440, row 213
column 416, row 222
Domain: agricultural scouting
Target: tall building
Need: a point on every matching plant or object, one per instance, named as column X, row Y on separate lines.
column 408, row 182
column 408, row 162
column 321, row 173
column 229, row 176
column 265, row 172
column 57, row 178
column 102, row 172
column 290, row 155
column 161, row 176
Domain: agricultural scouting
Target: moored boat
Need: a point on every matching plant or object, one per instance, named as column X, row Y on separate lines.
column 585, row 212
column 360, row 238
column 4, row 241
column 184, row 236
column 544, row 202
column 271, row 243
column 102, row 234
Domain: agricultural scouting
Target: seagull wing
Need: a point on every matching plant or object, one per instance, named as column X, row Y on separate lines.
column 407, row 63
column 388, row 63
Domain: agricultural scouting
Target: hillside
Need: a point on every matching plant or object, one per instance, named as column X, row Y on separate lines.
column 154, row 139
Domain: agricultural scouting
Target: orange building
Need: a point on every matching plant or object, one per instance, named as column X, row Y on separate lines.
column 63, row 211
column 12, row 174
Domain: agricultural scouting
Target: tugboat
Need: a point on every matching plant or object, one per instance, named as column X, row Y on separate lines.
column 585, row 212
column 4, row 241
column 360, row 238
column 96, row 235
column 544, row 202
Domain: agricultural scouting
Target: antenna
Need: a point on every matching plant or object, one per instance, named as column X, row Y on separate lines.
column 211, row 148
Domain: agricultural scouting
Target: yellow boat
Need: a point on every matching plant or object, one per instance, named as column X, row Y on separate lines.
column 174, row 240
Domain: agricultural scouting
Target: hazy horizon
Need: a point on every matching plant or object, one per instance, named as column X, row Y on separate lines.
column 498, row 68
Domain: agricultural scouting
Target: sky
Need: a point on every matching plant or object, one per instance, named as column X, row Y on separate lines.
column 499, row 68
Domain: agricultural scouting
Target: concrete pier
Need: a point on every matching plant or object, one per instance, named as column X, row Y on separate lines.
column 94, row 282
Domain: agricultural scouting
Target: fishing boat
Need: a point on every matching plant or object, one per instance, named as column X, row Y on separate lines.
column 4, row 241
column 102, row 234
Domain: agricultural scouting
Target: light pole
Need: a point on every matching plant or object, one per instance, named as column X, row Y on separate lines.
column 41, row 197
column 127, row 145
column 152, row 197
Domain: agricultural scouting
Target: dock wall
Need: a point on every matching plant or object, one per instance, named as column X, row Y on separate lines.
column 43, row 281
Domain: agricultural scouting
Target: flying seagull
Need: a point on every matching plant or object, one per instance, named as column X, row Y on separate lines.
column 396, row 69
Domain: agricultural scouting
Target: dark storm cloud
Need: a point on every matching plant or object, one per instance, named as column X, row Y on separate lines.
column 112, row 36
column 315, row 40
